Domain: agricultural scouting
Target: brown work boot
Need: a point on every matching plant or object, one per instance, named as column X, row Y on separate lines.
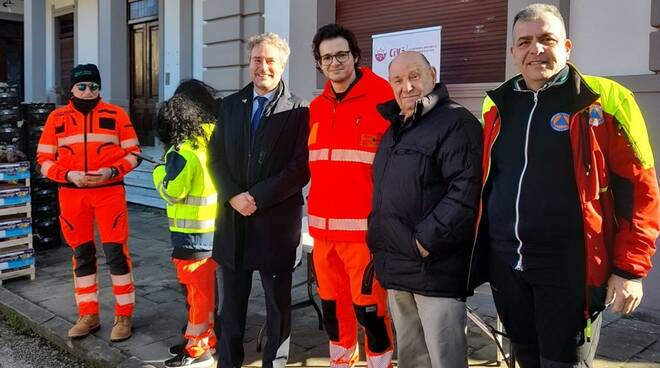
column 121, row 329
column 85, row 325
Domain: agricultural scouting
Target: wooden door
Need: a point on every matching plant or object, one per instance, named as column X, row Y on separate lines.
column 144, row 79
column 65, row 53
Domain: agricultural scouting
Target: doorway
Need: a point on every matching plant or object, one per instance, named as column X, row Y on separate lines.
column 65, row 53
column 11, row 54
column 144, row 67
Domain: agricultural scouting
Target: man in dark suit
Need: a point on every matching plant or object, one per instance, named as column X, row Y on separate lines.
column 258, row 160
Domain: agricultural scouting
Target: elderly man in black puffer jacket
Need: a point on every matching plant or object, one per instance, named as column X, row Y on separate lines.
column 427, row 181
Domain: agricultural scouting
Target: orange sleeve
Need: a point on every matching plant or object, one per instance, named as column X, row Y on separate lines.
column 637, row 209
column 129, row 143
column 46, row 153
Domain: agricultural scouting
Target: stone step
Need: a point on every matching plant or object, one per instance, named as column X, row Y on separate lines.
column 144, row 196
column 140, row 187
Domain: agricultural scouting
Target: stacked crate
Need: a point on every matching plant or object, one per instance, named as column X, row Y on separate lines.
column 45, row 207
column 16, row 248
column 12, row 129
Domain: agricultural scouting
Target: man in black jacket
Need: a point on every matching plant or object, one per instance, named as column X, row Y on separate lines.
column 427, row 180
column 258, row 161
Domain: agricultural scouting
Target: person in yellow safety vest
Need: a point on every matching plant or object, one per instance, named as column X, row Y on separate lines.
column 185, row 123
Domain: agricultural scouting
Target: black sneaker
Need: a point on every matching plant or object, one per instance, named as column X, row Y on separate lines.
column 176, row 349
column 185, row 360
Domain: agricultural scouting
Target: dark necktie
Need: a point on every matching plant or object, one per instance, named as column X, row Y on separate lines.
column 254, row 123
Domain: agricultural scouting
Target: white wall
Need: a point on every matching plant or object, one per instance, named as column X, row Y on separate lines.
column 87, row 32
column 296, row 21
column 171, row 25
column 277, row 19
column 86, row 35
column 54, row 8
column 303, row 73
column 50, row 50
column 35, row 50
column 611, row 37
column 198, row 42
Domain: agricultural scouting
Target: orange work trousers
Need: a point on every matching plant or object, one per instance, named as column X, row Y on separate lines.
column 350, row 295
column 79, row 209
column 199, row 278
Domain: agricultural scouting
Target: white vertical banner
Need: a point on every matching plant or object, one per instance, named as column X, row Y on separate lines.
column 386, row 46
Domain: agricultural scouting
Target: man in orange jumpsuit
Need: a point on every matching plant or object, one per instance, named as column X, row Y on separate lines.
column 87, row 147
column 345, row 130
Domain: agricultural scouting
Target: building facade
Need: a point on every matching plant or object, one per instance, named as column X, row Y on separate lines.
column 145, row 47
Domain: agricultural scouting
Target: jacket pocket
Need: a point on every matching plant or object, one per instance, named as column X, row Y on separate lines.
column 107, row 123
column 117, row 220
column 406, row 181
column 69, row 232
column 413, row 243
column 400, row 239
column 596, row 297
column 65, row 156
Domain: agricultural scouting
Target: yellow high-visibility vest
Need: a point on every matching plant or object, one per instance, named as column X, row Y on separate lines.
column 185, row 184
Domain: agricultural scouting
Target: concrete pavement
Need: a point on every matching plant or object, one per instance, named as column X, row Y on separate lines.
column 47, row 305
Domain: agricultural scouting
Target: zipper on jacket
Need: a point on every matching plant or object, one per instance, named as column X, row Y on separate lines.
column 334, row 113
column 519, row 264
column 387, row 164
column 333, row 132
column 85, row 142
column 586, row 145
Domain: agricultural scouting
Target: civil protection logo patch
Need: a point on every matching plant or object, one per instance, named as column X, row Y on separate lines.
column 559, row 121
column 595, row 115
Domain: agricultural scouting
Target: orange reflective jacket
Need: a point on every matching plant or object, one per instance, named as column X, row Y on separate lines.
column 343, row 139
column 72, row 141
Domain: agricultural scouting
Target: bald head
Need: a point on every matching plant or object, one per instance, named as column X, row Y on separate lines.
column 410, row 54
column 411, row 77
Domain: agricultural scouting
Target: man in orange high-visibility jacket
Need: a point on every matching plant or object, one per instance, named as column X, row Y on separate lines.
column 345, row 130
column 87, row 147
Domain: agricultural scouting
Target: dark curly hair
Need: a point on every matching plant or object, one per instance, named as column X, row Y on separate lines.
column 332, row 31
column 198, row 91
column 181, row 117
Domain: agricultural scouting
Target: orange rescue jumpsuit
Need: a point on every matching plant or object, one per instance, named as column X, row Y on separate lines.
column 344, row 137
column 102, row 138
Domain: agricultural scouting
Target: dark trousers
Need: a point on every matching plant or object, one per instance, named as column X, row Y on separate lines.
column 236, row 287
column 543, row 313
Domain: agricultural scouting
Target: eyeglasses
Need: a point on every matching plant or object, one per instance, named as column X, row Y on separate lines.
column 92, row 86
column 341, row 56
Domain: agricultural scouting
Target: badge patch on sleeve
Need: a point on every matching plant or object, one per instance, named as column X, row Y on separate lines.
column 370, row 140
column 559, row 121
column 595, row 115
column 312, row 134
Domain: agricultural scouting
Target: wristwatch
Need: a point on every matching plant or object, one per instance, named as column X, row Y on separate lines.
column 114, row 173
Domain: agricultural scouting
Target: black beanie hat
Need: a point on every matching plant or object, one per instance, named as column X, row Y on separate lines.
column 85, row 73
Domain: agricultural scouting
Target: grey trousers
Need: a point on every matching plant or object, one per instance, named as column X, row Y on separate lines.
column 430, row 331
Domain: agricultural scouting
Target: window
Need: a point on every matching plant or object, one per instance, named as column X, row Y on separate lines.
column 138, row 9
